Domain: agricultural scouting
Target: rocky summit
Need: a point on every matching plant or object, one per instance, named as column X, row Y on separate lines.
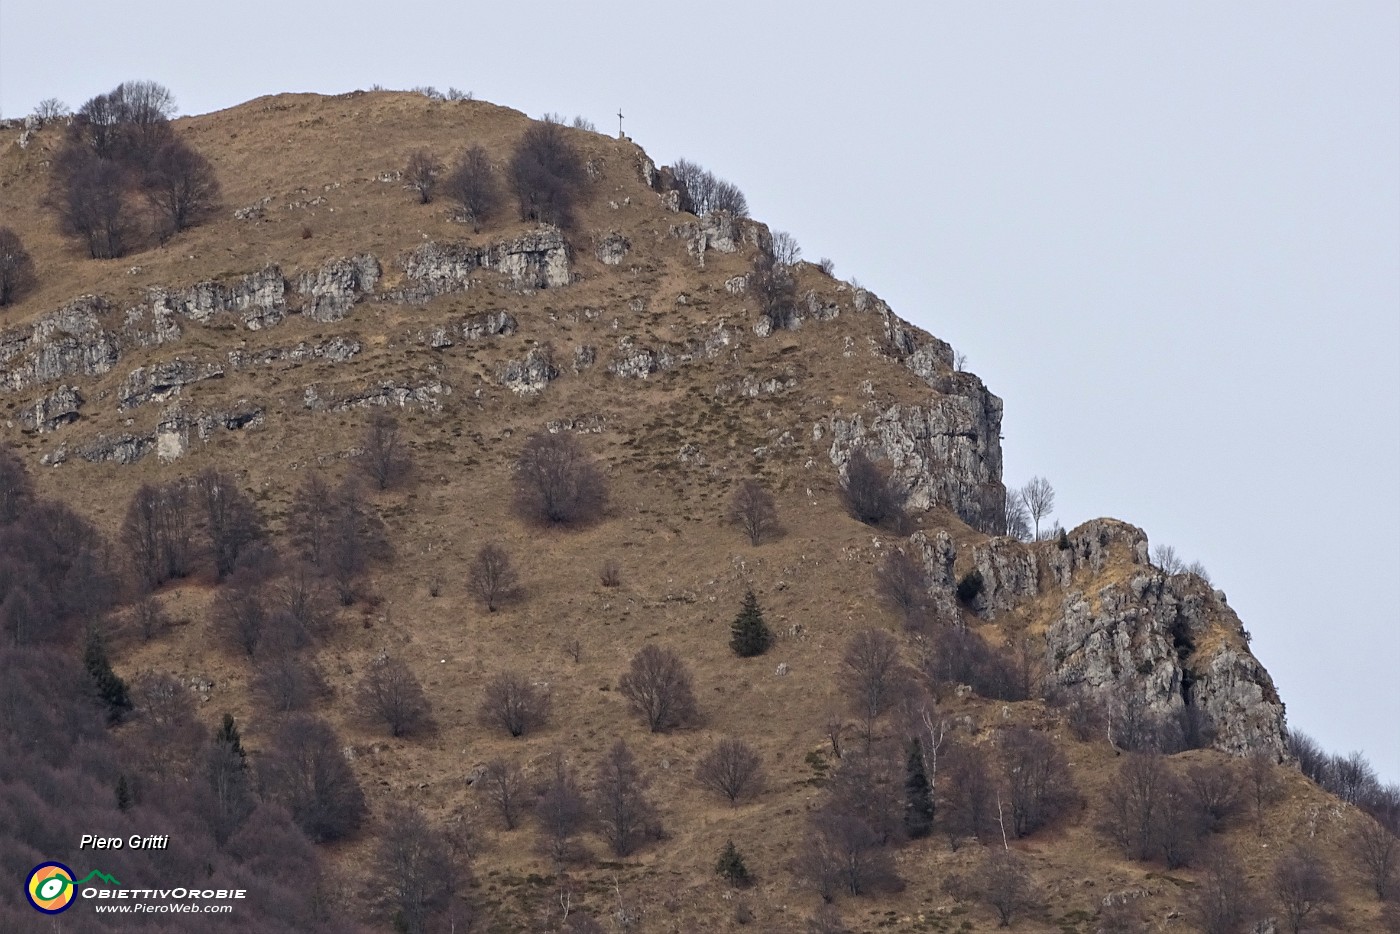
column 922, row 660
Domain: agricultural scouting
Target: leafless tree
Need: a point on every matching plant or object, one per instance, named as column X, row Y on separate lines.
column 872, row 675
column 514, row 704
column 1218, row 792
column 355, row 537
column 968, row 794
column 423, row 173
column 1351, row 777
column 492, row 577
column 156, row 533
column 231, row 519
column 843, row 854
column 286, row 682
column 903, row 583
column 166, row 732
column 785, row 249
column 50, row 109
column 16, row 267
column 1378, row 850
column 703, row 192
column 305, row 771
column 732, row 769
column 504, row 785
column 547, row 175
column 1222, row 900
column 625, row 814
column 16, row 489
column 389, row 693
column 869, row 784
column 557, row 483
column 1039, row 497
column 90, row 200
column 1004, row 883
column 414, row 867
column 1261, row 782
column 299, row 598
column 562, row 811
column 181, row 187
column 871, row 493
column 1167, row 560
column 1038, row 783
column 657, row 684
column 753, row 509
column 1302, row 886
column 1132, row 803
column 1018, row 518
column 239, row 617
column 472, row 184
column 1179, row 823
column 775, row 288
column 383, row 451
column 311, row 516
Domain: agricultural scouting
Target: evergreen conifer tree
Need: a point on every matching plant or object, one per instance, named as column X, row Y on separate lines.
column 731, row 866
column 918, row 796
column 228, row 735
column 749, row 633
column 111, row 690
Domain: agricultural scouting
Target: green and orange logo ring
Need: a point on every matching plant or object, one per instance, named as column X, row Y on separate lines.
column 50, row 888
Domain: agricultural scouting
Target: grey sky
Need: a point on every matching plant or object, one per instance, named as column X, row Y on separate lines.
column 1167, row 234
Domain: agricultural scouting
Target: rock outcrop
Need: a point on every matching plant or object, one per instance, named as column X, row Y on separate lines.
column 947, row 452
column 333, row 290
column 51, row 411
column 537, row 260
column 259, row 299
column 157, row 383
column 530, row 375
column 62, row 344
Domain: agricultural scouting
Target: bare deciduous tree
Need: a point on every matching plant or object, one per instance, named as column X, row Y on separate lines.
column 703, row 192
column 312, row 512
column 547, row 175
column 504, row 785
column 1378, row 850
column 512, row 703
column 1039, row 497
column 1302, row 886
column 231, row 519
column 239, row 617
column 16, row 267
column 180, row 186
column 872, row 675
column 557, row 483
column 1018, row 518
column 286, row 682
column 472, row 184
column 625, row 814
column 157, row 532
column 1038, row 783
column 305, row 770
column 492, row 577
column 390, row 694
column 422, row 174
column 843, row 854
column 903, row 583
column 785, row 249
column 968, row 794
column 871, row 493
column 50, row 109
column 383, row 451
column 657, row 684
column 1216, row 786
column 1222, row 899
column 732, row 769
column 414, row 867
column 562, row 811
column 90, row 200
column 1005, row 884
column 753, row 509
column 1167, row 560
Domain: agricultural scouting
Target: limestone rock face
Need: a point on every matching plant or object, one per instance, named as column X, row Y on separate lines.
column 537, row 260
column 947, row 452
column 530, row 375
column 1167, row 640
column 335, row 350
column 51, row 411
column 612, row 248
column 61, row 344
column 332, row 290
column 161, row 381
column 1009, row 572
column 427, row 395
column 489, row 324
column 260, row 298
column 720, row 231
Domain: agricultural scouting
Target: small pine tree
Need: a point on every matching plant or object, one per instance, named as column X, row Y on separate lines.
column 731, row 866
column 111, row 690
column 749, row 633
column 229, row 736
column 918, row 796
column 123, row 794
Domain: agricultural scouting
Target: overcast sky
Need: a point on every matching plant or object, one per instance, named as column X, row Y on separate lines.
column 1168, row 235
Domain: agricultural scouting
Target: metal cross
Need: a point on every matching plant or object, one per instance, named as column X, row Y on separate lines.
column 619, row 123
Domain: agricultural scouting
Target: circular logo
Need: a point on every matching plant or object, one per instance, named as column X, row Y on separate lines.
column 49, row 888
